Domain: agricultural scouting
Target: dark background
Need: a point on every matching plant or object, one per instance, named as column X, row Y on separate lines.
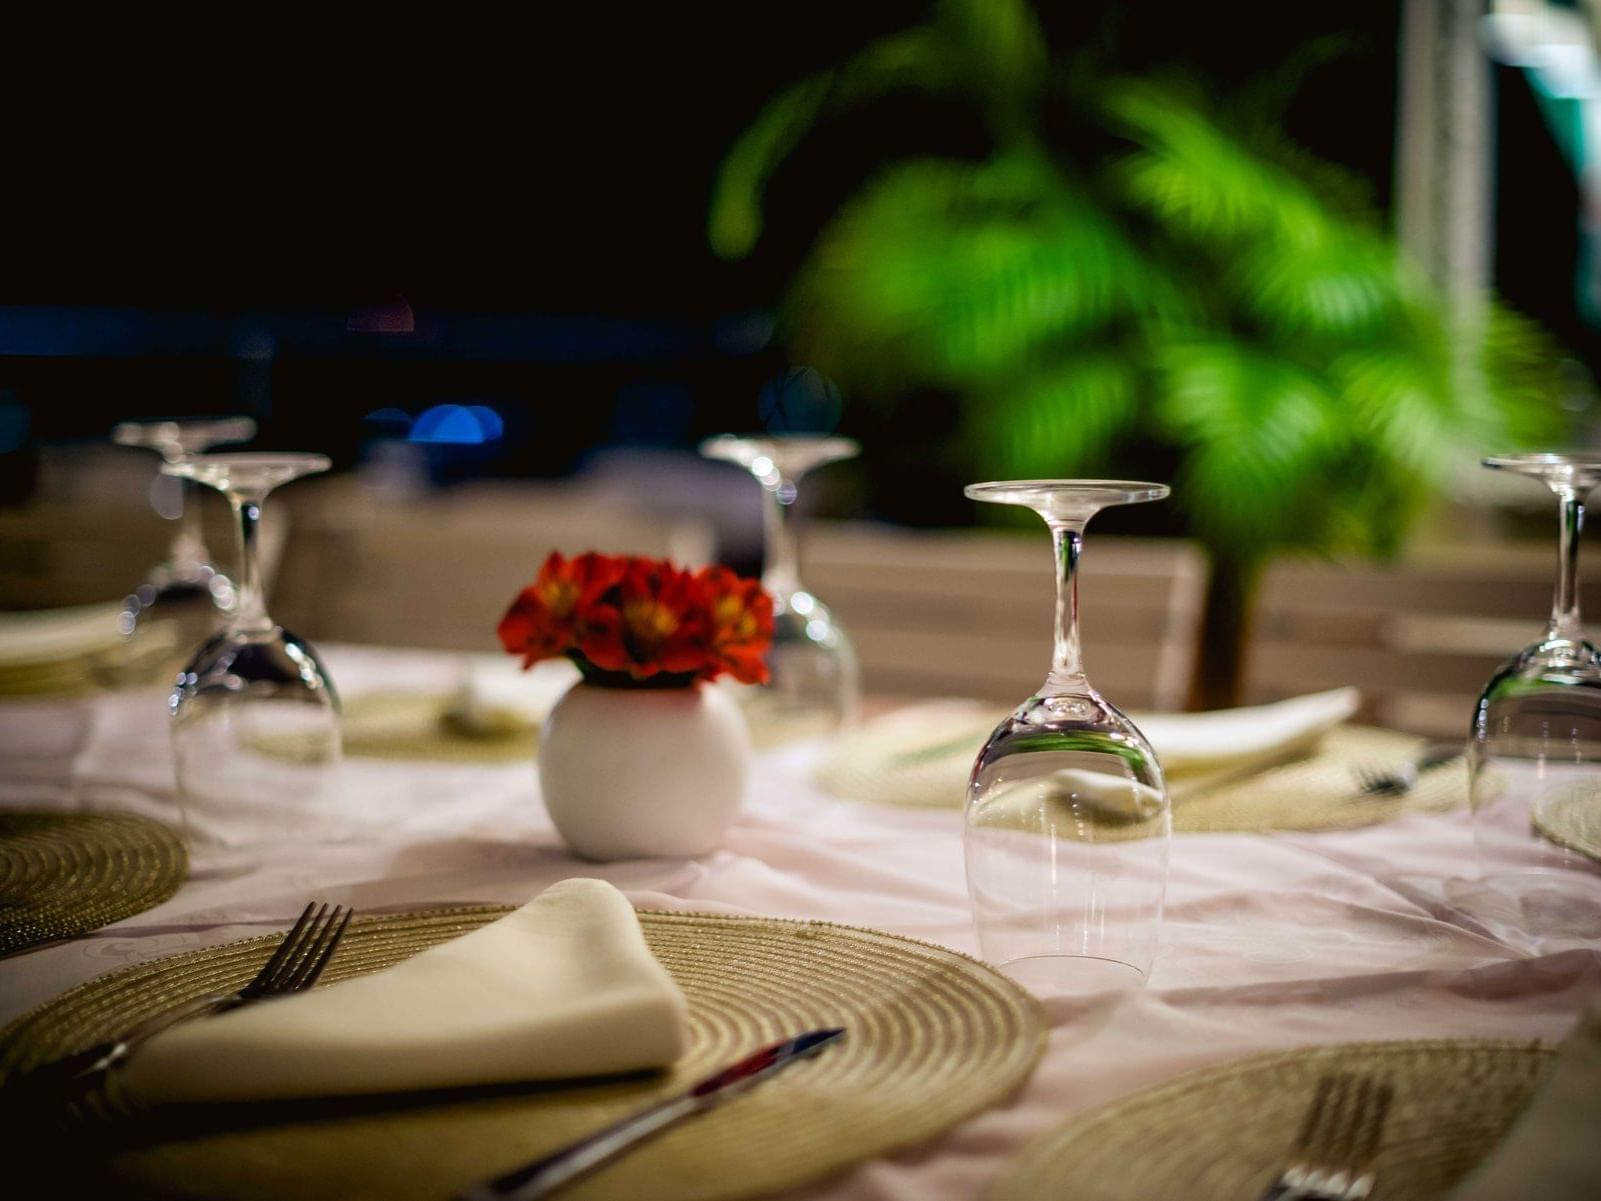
column 194, row 224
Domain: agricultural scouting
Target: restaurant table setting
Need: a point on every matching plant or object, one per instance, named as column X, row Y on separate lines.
column 1315, row 984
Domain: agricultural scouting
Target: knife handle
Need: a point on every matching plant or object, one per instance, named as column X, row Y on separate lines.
column 544, row 1176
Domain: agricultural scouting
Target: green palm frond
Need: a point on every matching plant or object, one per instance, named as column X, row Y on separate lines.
column 977, row 270
column 990, row 50
column 735, row 221
column 1521, row 371
column 1003, row 45
column 1342, row 287
column 918, row 60
column 1377, row 504
column 1204, row 289
column 1260, row 436
column 1403, row 394
column 1204, row 185
column 1220, row 390
column 1062, row 419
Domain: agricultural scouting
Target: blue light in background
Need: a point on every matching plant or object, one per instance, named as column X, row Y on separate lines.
column 390, row 416
column 457, row 425
column 489, row 421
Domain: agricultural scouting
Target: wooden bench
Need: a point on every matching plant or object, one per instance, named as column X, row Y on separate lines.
column 1419, row 637
column 971, row 613
column 440, row 572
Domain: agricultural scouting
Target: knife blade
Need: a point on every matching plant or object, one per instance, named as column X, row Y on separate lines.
column 545, row 1175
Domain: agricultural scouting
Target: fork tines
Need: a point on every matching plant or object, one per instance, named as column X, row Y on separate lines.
column 304, row 951
column 1339, row 1139
column 1391, row 782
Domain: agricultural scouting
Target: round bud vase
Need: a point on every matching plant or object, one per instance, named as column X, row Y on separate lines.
column 632, row 773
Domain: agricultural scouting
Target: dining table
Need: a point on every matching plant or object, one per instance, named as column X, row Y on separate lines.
column 1270, row 940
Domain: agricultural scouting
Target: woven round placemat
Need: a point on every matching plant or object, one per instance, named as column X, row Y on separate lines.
column 72, row 677
column 927, row 768
column 933, row 1037
column 1224, row 1133
column 917, row 758
column 1574, row 821
column 62, row 874
column 1320, row 791
column 416, row 726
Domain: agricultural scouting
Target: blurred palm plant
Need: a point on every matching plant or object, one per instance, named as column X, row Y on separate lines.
column 1177, row 282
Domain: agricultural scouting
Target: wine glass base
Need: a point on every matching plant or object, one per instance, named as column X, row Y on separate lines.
column 211, row 862
column 1072, row 975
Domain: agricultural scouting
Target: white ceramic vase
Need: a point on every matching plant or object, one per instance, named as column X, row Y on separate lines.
column 631, row 773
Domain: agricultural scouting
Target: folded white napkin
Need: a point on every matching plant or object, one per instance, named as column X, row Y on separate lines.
column 500, row 698
column 922, row 754
column 1255, row 736
column 1553, row 1151
column 52, row 635
column 563, row 987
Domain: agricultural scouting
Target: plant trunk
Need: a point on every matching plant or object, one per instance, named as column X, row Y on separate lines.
column 1225, row 626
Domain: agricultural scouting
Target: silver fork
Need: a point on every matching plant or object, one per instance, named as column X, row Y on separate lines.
column 1333, row 1156
column 1399, row 779
column 294, row 967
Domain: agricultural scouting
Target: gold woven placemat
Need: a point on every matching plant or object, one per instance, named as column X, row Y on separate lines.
column 62, row 874
column 1574, row 820
column 66, row 678
column 1224, row 1133
column 152, row 658
column 917, row 758
column 1318, row 792
column 414, row 725
column 933, row 1037
column 85, row 675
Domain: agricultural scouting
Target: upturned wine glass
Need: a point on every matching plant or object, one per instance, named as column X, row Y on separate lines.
column 184, row 599
column 1067, row 820
column 255, row 719
column 1534, row 749
column 815, row 686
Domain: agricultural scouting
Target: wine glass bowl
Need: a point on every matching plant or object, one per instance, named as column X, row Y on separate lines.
column 184, row 599
column 1534, row 748
column 815, row 685
column 255, row 718
column 1066, row 825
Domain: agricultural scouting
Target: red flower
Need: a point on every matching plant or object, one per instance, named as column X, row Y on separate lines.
column 653, row 619
column 642, row 622
column 547, row 617
column 741, row 626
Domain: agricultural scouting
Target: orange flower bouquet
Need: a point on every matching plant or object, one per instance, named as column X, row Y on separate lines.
column 631, row 622
column 643, row 756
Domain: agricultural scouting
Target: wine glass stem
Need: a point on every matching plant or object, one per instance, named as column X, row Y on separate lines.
column 250, row 616
column 188, row 551
column 1565, row 606
column 1067, row 671
column 781, row 558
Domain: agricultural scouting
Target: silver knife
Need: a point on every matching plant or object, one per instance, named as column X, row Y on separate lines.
column 545, row 1176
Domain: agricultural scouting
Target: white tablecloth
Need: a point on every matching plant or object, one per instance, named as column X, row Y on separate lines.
column 1270, row 942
